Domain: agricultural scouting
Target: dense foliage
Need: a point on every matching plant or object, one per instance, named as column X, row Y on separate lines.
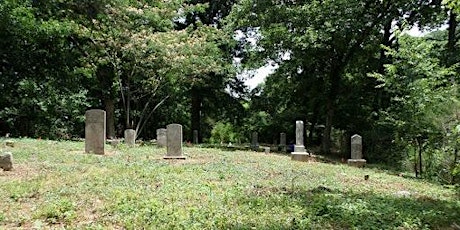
column 344, row 67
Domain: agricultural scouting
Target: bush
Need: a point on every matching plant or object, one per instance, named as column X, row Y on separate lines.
column 223, row 133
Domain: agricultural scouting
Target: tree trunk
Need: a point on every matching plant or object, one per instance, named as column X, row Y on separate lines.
column 196, row 112
column 129, row 124
column 386, row 41
column 327, row 130
column 334, row 84
column 110, row 117
column 452, row 38
column 420, row 157
column 453, row 177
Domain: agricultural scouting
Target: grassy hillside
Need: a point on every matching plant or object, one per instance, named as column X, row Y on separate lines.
column 56, row 185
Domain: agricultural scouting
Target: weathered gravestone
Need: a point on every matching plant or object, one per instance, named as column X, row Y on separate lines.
column 95, row 131
column 113, row 142
column 283, row 142
column 130, row 137
column 6, row 161
column 267, row 150
column 255, row 141
column 174, row 142
column 195, row 137
column 299, row 153
column 356, row 152
column 9, row 143
column 161, row 138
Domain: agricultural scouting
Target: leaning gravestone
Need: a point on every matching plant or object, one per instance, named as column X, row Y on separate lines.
column 356, row 152
column 6, row 161
column 299, row 153
column 283, row 142
column 130, row 137
column 255, row 141
column 161, row 138
column 95, row 131
column 174, row 142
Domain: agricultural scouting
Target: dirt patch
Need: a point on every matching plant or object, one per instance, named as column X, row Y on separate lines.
column 20, row 172
column 81, row 152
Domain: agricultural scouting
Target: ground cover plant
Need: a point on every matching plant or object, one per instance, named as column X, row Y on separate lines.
column 55, row 185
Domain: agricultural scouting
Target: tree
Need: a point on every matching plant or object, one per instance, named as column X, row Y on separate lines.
column 424, row 100
column 212, row 93
column 325, row 45
column 42, row 94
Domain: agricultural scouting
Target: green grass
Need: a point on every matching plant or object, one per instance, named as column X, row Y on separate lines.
column 56, row 185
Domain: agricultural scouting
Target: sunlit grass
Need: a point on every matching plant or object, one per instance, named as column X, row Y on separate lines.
column 54, row 184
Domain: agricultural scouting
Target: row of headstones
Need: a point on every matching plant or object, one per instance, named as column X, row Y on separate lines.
column 301, row 154
column 95, row 134
column 172, row 138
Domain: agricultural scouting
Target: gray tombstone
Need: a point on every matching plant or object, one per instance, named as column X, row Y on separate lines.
column 299, row 147
column 356, row 152
column 267, row 150
column 130, row 137
column 95, row 131
column 161, row 138
column 356, row 147
column 6, row 161
column 299, row 153
column 283, row 142
column 195, row 136
column 174, row 142
column 255, row 141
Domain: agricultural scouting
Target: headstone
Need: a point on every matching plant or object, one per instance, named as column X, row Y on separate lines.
column 114, row 142
column 299, row 153
column 195, row 137
column 130, row 137
column 161, row 138
column 255, row 141
column 95, row 131
column 356, row 152
column 299, row 147
column 9, row 143
column 267, row 150
column 283, row 142
column 174, row 142
column 356, row 147
column 6, row 161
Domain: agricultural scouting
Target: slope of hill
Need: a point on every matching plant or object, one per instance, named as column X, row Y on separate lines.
column 54, row 185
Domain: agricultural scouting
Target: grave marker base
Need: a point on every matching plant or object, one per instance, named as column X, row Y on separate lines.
column 301, row 156
column 356, row 162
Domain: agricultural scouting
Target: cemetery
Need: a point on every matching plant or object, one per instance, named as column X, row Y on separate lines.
column 229, row 114
column 166, row 185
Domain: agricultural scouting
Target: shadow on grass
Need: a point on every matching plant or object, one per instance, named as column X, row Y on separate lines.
column 324, row 208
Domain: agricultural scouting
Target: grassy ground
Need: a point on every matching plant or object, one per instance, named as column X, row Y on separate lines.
column 56, row 185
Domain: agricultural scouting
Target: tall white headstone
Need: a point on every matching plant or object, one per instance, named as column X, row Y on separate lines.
column 299, row 153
